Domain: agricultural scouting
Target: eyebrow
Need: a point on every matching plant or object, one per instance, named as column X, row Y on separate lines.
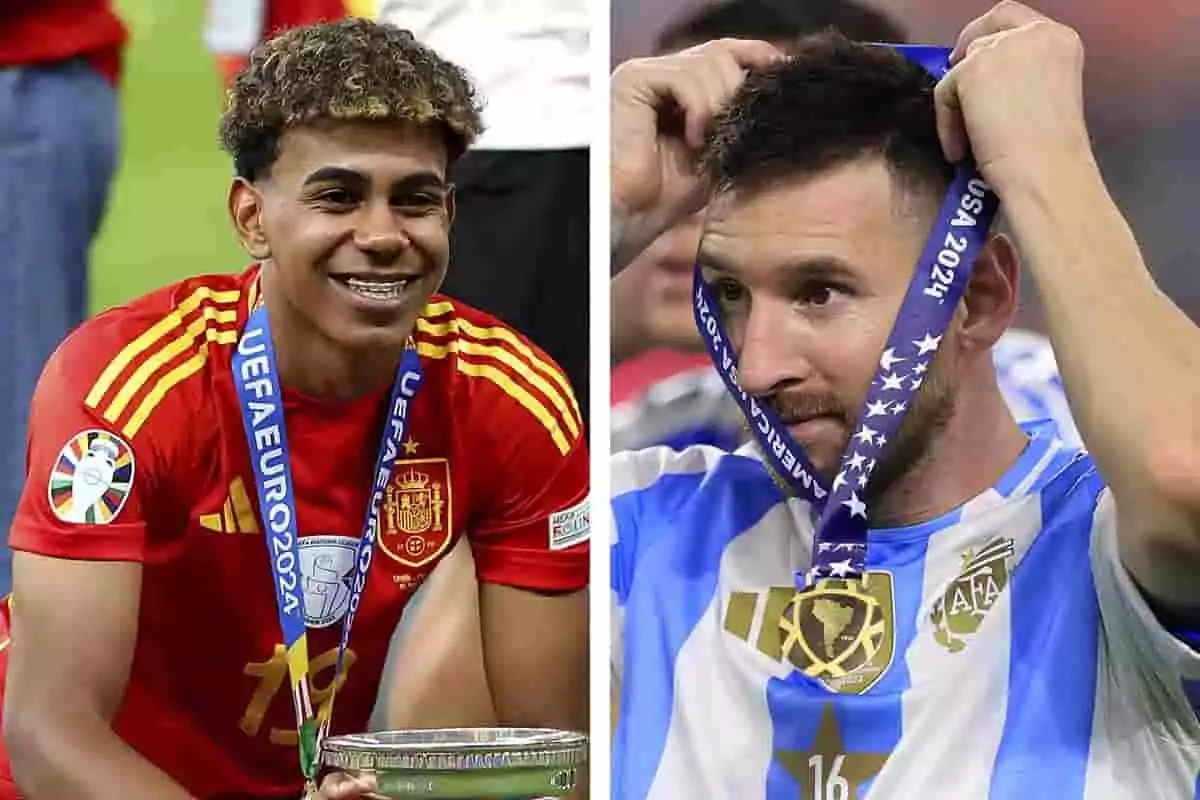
column 334, row 175
column 816, row 268
column 417, row 180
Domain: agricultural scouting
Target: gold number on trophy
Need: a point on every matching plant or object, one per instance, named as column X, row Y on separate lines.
column 273, row 674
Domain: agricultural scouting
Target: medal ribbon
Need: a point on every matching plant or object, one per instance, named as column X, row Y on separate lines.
column 941, row 276
column 256, row 378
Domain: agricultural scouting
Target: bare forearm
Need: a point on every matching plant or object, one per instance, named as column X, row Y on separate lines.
column 629, row 237
column 1127, row 354
column 83, row 759
column 439, row 644
column 536, row 654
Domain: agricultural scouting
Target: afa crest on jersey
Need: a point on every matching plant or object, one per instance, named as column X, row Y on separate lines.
column 91, row 478
column 959, row 611
column 415, row 515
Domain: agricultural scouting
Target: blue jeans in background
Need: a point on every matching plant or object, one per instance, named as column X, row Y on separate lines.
column 58, row 152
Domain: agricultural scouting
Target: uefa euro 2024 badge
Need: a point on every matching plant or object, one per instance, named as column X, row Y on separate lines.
column 92, row 478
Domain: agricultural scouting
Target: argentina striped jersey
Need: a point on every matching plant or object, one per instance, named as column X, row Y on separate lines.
column 999, row 652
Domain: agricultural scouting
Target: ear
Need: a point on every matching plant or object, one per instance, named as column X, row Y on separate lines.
column 990, row 301
column 245, row 209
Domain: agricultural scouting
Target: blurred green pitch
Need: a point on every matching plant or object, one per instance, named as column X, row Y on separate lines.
column 166, row 215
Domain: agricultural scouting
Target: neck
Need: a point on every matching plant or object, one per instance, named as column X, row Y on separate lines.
column 312, row 363
column 977, row 445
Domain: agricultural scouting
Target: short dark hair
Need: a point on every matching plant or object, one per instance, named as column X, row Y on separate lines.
column 352, row 69
column 831, row 102
column 779, row 21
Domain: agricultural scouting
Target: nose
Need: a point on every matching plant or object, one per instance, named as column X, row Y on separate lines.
column 770, row 349
column 380, row 232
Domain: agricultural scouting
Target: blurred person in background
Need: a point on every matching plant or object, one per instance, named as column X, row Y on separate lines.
column 60, row 67
column 520, row 250
column 234, row 27
column 665, row 391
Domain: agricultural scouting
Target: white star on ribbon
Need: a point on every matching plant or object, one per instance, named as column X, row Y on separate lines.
column 866, row 435
column 840, row 569
column 928, row 344
column 839, row 480
column 824, row 547
column 919, row 369
column 856, row 461
column 857, row 507
column 898, row 409
column 893, row 381
column 889, row 358
column 862, row 481
column 916, row 383
column 870, row 467
column 881, row 441
column 878, row 408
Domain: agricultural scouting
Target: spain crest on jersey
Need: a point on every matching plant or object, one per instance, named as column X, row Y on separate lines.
column 842, row 631
column 960, row 610
column 415, row 516
column 91, row 478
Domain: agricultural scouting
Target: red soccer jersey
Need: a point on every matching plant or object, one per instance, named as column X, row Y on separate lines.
column 143, row 397
column 56, row 30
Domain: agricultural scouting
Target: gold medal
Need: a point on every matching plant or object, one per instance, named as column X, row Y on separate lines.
column 842, row 631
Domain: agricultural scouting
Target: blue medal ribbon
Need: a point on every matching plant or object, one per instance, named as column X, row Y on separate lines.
column 260, row 398
column 941, row 276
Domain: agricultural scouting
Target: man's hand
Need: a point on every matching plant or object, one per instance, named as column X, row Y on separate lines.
column 661, row 108
column 1015, row 94
column 344, row 786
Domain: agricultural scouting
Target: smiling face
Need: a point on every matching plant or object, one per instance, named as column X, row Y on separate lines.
column 354, row 217
column 808, row 274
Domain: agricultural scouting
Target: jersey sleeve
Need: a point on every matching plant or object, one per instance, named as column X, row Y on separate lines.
column 620, row 570
column 534, row 528
column 85, row 481
column 632, row 473
column 1160, row 662
column 629, row 472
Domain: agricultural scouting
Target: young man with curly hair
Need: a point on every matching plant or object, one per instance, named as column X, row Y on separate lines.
column 229, row 434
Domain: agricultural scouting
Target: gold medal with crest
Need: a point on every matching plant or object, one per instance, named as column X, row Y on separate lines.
column 841, row 631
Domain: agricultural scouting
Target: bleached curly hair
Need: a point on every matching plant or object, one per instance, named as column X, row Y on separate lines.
column 352, row 69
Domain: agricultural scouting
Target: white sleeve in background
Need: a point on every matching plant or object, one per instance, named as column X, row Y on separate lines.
column 529, row 60
column 234, row 26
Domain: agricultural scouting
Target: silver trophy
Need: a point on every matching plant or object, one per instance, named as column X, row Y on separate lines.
column 511, row 763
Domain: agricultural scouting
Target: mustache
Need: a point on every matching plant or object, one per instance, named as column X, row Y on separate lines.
column 794, row 406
